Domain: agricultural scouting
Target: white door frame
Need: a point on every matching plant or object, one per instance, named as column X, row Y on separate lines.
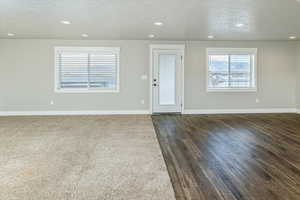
column 165, row 47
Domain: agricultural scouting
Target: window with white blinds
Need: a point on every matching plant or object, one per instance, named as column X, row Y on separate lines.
column 87, row 69
column 231, row 69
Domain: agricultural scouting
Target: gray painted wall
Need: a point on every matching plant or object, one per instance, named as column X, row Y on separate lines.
column 27, row 77
column 298, row 76
column 276, row 77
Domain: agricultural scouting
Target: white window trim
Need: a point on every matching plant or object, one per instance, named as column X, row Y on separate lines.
column 236, row 51
column 115, row 50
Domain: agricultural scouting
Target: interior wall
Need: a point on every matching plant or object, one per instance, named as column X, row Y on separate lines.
column 298, row 77
column 27, row 77
column 276, row 77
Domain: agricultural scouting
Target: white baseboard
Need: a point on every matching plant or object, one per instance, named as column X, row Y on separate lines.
column 42, row 113
column 236, row 111
column 146, row 112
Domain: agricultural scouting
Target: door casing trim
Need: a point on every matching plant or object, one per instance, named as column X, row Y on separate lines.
column 153, row 47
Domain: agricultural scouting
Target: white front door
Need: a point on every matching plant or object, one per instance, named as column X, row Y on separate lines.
column 167, row 83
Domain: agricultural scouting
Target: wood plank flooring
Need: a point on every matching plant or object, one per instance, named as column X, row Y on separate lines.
column 232, row 157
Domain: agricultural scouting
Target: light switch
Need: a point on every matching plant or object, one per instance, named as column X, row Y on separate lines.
column 144, row 77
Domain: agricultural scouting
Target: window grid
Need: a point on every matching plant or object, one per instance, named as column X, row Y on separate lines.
column 242, row 80
column 88, row 66
column 229, row 70
column 104, row 77
column 251, row 69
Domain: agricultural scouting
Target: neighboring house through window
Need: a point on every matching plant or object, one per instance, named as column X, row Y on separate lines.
column 231, row 69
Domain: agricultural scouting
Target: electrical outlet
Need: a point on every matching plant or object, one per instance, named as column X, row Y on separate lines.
column 51, row 102
column 142, row 101
column 257, row 100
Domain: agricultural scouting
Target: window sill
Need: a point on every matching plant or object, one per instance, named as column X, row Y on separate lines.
column 77, row 91
column 232, row 90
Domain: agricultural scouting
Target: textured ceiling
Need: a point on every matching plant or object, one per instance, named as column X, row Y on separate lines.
column 133, row 19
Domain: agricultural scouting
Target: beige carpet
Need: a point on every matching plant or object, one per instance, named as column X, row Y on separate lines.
column 81, row 158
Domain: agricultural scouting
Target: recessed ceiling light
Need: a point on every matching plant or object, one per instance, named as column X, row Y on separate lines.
column 210, row 37
column 240, row 25
column 65, row 22
column 151, row 36
column 10, row 34
column 292, row 37
column 85, row 35
column 158, row 23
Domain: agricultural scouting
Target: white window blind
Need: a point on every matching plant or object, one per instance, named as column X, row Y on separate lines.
column 231, row 69
column 86, row 69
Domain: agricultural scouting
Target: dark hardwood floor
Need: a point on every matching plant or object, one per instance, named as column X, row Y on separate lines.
column 232, row 157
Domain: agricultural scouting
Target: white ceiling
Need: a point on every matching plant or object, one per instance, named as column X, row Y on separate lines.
column 133, row 19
